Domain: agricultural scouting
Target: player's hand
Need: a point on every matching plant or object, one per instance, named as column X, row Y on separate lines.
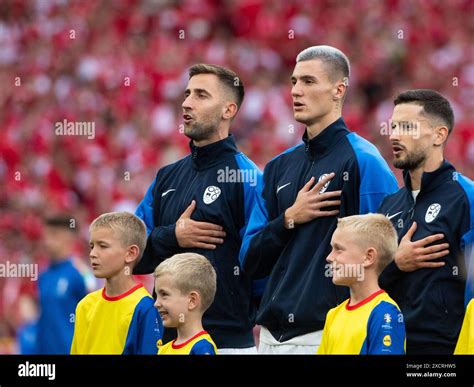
column 309, row 203
column 202, row 235
column 411, row 256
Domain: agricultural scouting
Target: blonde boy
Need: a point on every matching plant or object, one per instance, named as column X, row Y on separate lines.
column 185, row 286
column 120, row 318
column 369, row 322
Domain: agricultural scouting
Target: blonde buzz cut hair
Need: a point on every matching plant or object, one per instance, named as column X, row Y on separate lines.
column 373, row 230
column 129, row 229
column 191, row 272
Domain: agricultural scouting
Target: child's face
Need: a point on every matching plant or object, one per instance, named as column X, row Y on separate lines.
column 346, row 258
column 107, row 253
column 58, row 241
column 172, row 304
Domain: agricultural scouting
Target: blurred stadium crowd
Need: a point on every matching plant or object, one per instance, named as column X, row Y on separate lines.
column 122, row 65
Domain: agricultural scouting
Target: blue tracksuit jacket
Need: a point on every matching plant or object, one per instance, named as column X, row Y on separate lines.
column 299, row 291
column 223, row 182
column 432, row 300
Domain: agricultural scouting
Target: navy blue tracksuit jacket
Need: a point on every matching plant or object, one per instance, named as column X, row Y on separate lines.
column 299, row 291
column 432, row 300
column 223, row 182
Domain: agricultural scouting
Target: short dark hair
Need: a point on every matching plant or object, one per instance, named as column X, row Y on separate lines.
column 227, row 77
column 434, row 104
column 61, row 221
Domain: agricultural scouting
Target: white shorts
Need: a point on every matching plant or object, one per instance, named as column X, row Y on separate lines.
column 237, row 351
column 307, row 344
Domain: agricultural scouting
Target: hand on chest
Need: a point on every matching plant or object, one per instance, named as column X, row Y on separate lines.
column 431, row 216
column 289, row 185
column 212, row 200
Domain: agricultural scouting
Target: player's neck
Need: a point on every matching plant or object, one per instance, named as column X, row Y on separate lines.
column 189, row 330
column 430, row 165
column 315, row 128
column 118, row 285
column 59, row 258
column 218, row 135
column 361, row 290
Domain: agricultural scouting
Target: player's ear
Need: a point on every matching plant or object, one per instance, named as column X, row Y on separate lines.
column 194, row 300
column 440, row 135
column 229, row 110
column 340, row 90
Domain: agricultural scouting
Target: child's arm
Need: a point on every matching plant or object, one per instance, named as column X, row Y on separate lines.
column 386, row 331
column 203, row 347
column 146, row 329
column 323, row 347
column 79, row 327
column 465, row 344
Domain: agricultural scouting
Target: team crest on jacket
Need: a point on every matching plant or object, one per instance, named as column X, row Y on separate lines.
column 325, row 187
column 432, row 212
column 211, row 194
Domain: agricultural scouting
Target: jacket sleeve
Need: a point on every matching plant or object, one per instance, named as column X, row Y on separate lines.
column 467, row 247
column 265, row 235
column 252, row 190
column 162, row 242
column 391, row 274
column 467, row 239
column 376, row 181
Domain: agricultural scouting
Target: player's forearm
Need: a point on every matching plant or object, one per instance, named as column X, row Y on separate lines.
column 265, row 247
column 161, row 244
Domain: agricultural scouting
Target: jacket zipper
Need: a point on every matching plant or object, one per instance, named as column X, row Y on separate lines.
column 309, row 173
column 184, row 205
column 284, row 275
column 411, row 211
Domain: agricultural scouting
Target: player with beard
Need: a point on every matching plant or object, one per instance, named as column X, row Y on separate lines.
column 202, row 204
column 433, row 269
